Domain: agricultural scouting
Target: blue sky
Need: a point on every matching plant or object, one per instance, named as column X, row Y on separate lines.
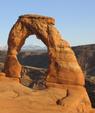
column 75, row 19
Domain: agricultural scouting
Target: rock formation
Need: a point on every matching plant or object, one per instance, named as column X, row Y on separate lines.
column 65, row 78
column 63, row 67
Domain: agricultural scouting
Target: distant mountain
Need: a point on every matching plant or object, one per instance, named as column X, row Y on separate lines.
column 26, row 48
column 3, row 48
column 32, row 48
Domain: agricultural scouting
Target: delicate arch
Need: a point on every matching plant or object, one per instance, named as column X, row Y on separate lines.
column 61, row 56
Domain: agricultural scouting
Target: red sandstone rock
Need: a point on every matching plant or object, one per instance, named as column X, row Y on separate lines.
column 12, row 66
column 16, row 98
column 2, row 74
column 63, row 67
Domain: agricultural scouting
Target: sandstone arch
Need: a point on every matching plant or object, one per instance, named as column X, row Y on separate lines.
column 63, row 67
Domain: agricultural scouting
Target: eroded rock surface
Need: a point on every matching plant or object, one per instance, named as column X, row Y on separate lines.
column 65, row 79
column 63, row 67
column 16, row 98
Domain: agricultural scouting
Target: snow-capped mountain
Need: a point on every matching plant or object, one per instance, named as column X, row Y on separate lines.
column 3, row 48
column 26, row 48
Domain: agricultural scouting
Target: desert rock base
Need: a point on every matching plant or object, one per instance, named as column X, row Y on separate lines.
column 57, row 98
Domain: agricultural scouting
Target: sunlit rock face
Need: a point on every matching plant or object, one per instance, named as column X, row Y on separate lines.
column 65, row 92
column 63, row 66
column 58, row 98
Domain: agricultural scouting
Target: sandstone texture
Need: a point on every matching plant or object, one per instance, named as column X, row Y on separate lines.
column 64, row 93
column 63, row 66
column 57, row 98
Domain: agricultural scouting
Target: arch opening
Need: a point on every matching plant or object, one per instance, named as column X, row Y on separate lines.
column 34, row 53
column 33, row 57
